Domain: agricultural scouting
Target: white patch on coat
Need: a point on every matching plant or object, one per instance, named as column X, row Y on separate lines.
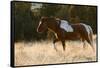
column 90, row 29
column 64, row 25
column 86, row 27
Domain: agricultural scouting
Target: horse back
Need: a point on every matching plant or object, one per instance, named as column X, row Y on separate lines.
column 78, row 28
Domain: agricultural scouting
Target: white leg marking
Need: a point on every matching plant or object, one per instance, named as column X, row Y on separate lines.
column 54, row 47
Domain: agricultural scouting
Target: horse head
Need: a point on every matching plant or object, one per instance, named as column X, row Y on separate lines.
column 47, row 23
column 42, row 25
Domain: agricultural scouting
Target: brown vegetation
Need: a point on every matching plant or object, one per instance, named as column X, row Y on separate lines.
column 36, row 53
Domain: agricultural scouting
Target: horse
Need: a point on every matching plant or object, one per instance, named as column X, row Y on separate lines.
column 80, row 30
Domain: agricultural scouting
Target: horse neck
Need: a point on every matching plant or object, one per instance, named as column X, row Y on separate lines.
column 53, row 26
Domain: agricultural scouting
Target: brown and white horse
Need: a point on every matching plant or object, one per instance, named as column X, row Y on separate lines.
column 80, row 30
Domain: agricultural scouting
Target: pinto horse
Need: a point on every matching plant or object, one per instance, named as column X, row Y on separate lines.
column 82, row 31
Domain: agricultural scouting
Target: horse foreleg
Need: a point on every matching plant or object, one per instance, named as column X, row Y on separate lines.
column 63, row 43
column 56, row 40
column 83, row 41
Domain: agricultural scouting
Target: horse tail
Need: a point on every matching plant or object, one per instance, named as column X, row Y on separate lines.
column 91, row 35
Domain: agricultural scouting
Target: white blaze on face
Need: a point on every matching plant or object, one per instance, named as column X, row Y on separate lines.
column 64, row 25
column 40, row 23
column 38, row 26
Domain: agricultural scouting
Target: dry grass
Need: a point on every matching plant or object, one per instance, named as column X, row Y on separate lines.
column 36, row 53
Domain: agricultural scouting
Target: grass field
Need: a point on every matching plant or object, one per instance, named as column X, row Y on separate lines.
column 42, row 52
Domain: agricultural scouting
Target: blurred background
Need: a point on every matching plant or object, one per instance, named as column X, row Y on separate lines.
column 26, row 16
column 33, row 48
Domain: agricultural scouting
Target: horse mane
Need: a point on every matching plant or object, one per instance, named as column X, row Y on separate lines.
column 50, row 19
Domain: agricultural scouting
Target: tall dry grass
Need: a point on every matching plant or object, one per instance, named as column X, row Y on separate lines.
column 42, row 52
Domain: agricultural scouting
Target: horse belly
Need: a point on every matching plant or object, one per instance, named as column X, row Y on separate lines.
column 72, row 36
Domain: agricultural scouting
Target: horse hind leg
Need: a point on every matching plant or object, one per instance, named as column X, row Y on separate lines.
column 88, row 35
column 85, row 38
column 91, row 37
column 88, row 39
